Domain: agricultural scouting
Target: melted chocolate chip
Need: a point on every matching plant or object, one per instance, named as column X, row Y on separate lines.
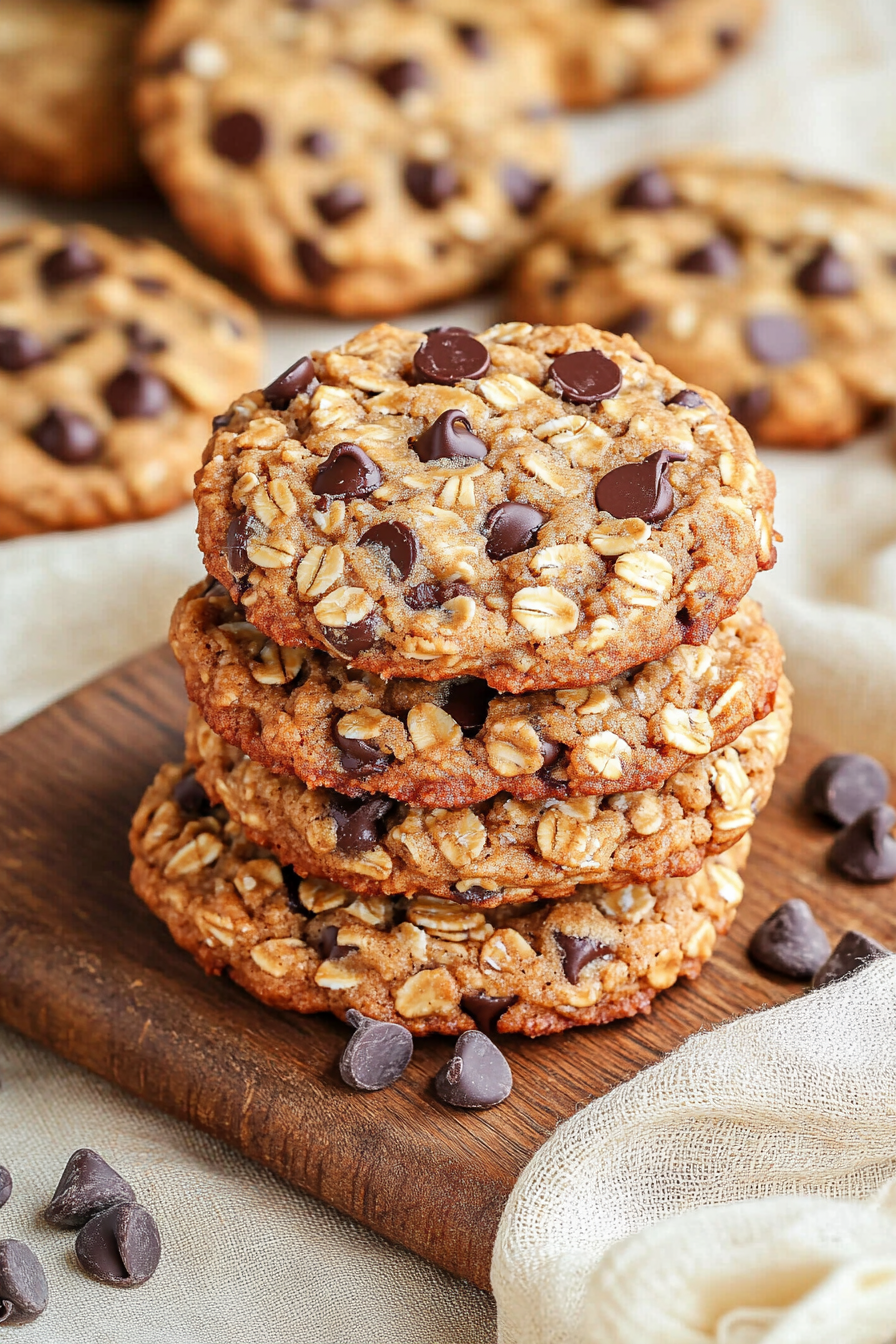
column 826, row 275
column 640, row 489
column 24, row 1291
column 474, row 896
column 449, row 436
column 474, row 39
column 485, row 1009
column 751, row 405
column 427, row 596
column 340, row 202
column 449, row 355
column 844, row 786
column 853, row 951
column 87, row 1185
column 776, row 338
column 467, row 702
column 633, row 323
column 717, row 257
column 120, row 1246
column 358, row 757
column 431, row 184
column 348, row 473
column 137, row 394
column 476, row 1076
column 397, row 540
column 866, row 851
column 316, row 268
column 142, row 339
column 239, row 137
column 524, row 191
column 577, row 953
column 400, row 77
column 359, row 825
column 648, row 190
column 191, row 797
column 74, row 261
column 791, row 942
column 349, row 640
column 243, row 528
column 585, row 377
column 299, row 377
column 319, row 144
column 377, row 1055
column 511, row 527
column 687, row 397
column 67, row 436
column 20, row 349
column 327, row 946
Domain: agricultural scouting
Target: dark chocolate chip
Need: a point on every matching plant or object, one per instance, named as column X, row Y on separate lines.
column 292, row 882
column 137, row 394
column 317, row 269
column 585, row 377
column 399, row 77
column 67, row 436
column 751, row 405
column 140, row 337
column 728, row 39
column 397, row 540
column 319, row 144
column 299, row 377
column 827, row 274
column 359, row 757
column 550, row 753
column 640, row 489
column 191, row 797
column 348, row 473
column 467, row 702
column 222, row 421
column 791, row 942
column 359, row 824
column 511, row 527
column 243, row 528
column 340, row 202
column 431, row 184
column 427, row 596
column 450, row 354
column 475, row 39
column 150, row 284
column 717, row 257
column 239, row 137
column 476, row 1076
column 74, row 261
column 24, row 1291
column 776, row 338
column 474, row 896
column 524, row 191
column 327, row 946
column 577, row 953
column 485, row 1009
column 687, row 397
column 844, row 786
column 853, row 951
column 5, row 1186
column 87, row 1185
column 648, row 190
column 449, row 436
column 120, row 1246
column 377, row 1055
column 866, row 850
column 20, row 349
column 633, row 323
column 349, row 640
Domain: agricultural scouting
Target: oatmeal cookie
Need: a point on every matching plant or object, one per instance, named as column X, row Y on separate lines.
column 114, row 355
column 436, row 967
column 506, row 849
column 354, row 158
column 775, row 289
column 536, row 506
column 457, row 742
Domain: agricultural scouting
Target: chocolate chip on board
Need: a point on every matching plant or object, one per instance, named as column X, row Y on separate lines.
column 120, row 1246
column 24, row 1291
column 790, row 942
column 476, row 1076
column 5, row 1186
column 866, row 850
column 853, row 951
column 843, row 786
column 377, row 1054
column 87, row 1185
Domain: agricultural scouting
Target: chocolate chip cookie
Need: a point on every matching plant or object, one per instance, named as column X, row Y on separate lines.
column 506, row 849
column 457, row 742
column 65, row 69
column 356, row 158
column 114, row 355
column 775, row 289
column 430, row 964
column 535, row 506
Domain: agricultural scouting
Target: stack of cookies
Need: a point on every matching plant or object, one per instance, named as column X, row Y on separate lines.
column 482, row 712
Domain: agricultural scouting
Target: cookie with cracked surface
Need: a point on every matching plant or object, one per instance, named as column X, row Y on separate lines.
column 775, row 289
column 354, row 158
column 538, row 507
column 454, row 743
column 65, row 70
column 505, row 849
column 114, row 355
column 434, row 966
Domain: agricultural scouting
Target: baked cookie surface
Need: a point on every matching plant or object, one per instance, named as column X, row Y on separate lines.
column 352, row 158
column 775, row 289
column 454, row 743
column 437, row 967
column 114, row 355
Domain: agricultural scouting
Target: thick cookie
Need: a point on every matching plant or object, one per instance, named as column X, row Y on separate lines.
column 539, row 507
column 776, row 290
column 114, row 355
column 430, row 964
column 355, row 158
column 503, row 850
column 453, row 743
column 65, row 71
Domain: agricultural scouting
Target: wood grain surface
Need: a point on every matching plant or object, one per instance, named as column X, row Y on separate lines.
column 86, row 970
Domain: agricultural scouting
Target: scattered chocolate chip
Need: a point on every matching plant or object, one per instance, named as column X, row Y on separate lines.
column 524, row 191
column 791, row 942
column 5, row 1186
column 853, row 951
column 476, row 1076
column 240, row 137
column 776, row 338
column 67, row 436
column 316, row 268
column 687, row 397
column 359, row 757
column 640, row 489
column 485, row 1009
column 399, row 77
column 142, row 339
column 377, row 1054
column 728, row 39
column 577, row 953
column 74, row 261
column 340, row 202
column 866, row 850
column 717, row 257
column 751, row 405
column 87, row 1185
column 359, row 824
column 24, row 1291
column 350, row 640
column 585, row 377
column 20, row 349
column 827, row 274
column 475, row 39
column 467, row 702
column 137, row 394
column 844, row 786
column 150, row 284
column 191, row 797
column 431, row 184
column 511, row 527
column 397, row 540
column 648, row 190
column 348, row 473
column 222, row 421
column 450, row 354
column 427, row 596
column 633, row 323
column 319, row 144
column 327, row 946
column 241, row 531
column 299, row 377
column 120, row 1246
column 449, row 436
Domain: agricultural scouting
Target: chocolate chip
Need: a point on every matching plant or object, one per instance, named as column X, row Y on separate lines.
column 377, row 1055
column 222, row 421
column 728, row 39
column 524, row 191
column 359, row 824
column 5, row 1186
column 791, row 942
column 485, row 1009
column 319, row 144
column 449, row 436
column 291, row 883
column 474, row 896
column 349, row 640
column 751, row 405
column 120, row 1246
column 20, row 349
column 776, row 338
column 240, row 137
column 577, row 953
column 137, row 394
column 633, row 323
column 550, row 753
column 191, row 797
column 640, row 489
column 399, row 77
column 431, row 184
column 687, row 397
column 327, row 946
column 348, row 473
column 359, row 757
column 585, row 377
column 316, row 268
column 476, row 1076
column 150, row 284
column 826, row 275
column 717, row 257
column 648, row 190
column 467, row 702
column 87, row 1185
column 866, row 850
column 74, row 261
column 450, row 354
column 844, row 786
column 67, row 436
column 141, row 338
column 426, row 596
column 397, row 540
column 853, row 951
column 299, row 377
column 340, row 202
column 475, row 39
column 24, row 1291
column 511, row 527
column 241, row 531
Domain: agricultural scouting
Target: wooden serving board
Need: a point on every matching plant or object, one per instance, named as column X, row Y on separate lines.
column 88, row 971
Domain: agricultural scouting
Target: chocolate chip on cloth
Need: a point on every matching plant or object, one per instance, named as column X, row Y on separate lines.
column 476, row 1076
column 87, row 1186
column 791, row 942
column 866, row 850
column 114, row 356
column 120, row 1246
column 377, row 1054
column 24, row 1291
column 564, row 519
column 351, row 158
column 842, row 787
column 854, row 951
column 775, row 290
